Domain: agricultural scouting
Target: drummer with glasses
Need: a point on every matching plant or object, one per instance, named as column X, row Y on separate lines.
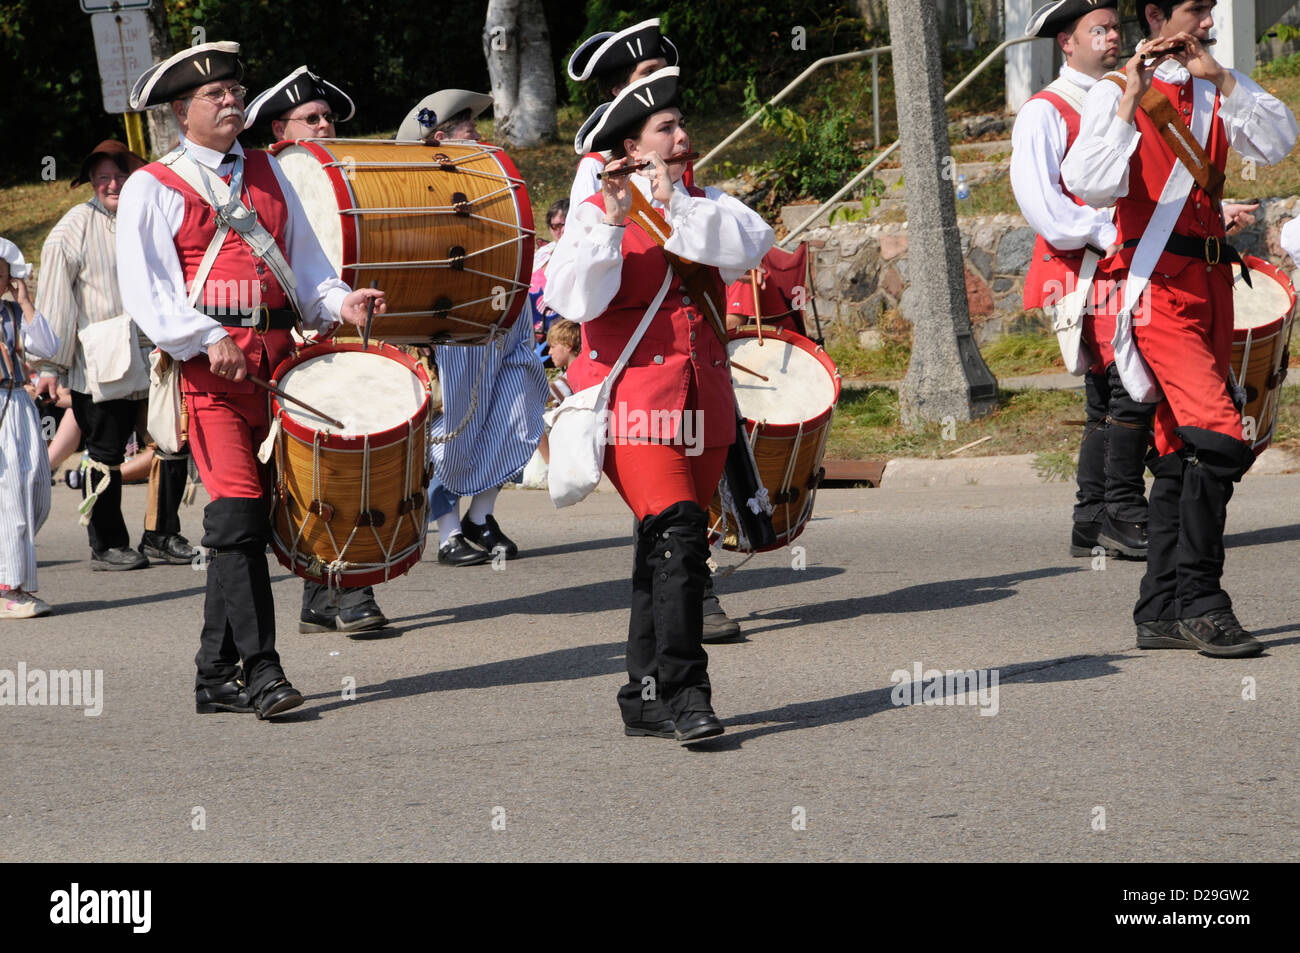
column 171, row 252
column 305, row 106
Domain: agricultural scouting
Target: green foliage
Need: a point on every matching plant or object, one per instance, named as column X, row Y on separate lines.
column 872, row 193
column 1282, row 66
column 1054, row 466
column 816, row 157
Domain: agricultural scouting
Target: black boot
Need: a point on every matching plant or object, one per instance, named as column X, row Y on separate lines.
column 1090, row 497
column 236, row 532
column 678, row 563
column 162, row 537
column 1214, row 463
column 644, row 710
column 717, row 626
column 1158, row 593
column 1128, row 438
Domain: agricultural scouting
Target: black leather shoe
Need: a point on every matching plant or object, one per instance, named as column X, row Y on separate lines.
column 118, row 559
column 1220, row 635
column 361, row 618
column 172, row 549
column 277, row 698
column 1162, row 634
column 697, row 725
column 651, row 729
column 232, row 696
column 489, row 536
column 457, row 552
column 719, row 628
column 1083, row 539
column 313, row 621
column 1129, row 538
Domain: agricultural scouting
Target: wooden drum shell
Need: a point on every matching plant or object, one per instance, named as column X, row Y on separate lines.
column 1260, row 373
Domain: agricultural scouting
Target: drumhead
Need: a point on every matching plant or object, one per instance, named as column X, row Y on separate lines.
column 1261, row 303
column 368, row 392
column 798, row 388
column 312, row 183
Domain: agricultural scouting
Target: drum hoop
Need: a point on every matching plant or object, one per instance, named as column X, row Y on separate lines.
column 338, row 442
column 813, row 349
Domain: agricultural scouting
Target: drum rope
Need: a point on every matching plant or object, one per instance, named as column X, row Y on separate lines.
column 789, row 475
column 1245, row 364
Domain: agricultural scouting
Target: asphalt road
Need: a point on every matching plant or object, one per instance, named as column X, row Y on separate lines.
column 484, row 725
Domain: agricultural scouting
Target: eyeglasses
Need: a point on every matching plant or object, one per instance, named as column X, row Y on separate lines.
column 218, row 96
column 558, row 224
column 108, row 179
column 315, row 119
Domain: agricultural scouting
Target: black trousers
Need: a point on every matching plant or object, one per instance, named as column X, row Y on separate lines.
column 316, row 597
column 167, row 479
column 1188, row 514
column 238, row 610
column 106, row 427
column 667, row 666
column 1113, row 451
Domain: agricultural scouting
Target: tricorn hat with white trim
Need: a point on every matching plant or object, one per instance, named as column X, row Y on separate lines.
column 185, row 71
column 611, row 123
column 1051, row 18
column 436, row 108
column 300, row 86
column 608, row 52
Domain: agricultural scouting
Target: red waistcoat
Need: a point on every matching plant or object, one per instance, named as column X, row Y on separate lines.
column 1053, row 271
column 1149, row 169
column 679, row 349
column 234, row 263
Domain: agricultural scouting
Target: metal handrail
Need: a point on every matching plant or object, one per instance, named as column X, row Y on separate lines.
column 874, row 53
column 952, row 94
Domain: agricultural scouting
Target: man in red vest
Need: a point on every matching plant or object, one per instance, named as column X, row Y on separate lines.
column 205, row 225
column 1111, row 507
column 1174, row 323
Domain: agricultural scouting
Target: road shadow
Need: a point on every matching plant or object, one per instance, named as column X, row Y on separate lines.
column 584, row 661
column 598, row 597
column 575, row 547
column 1262, row 537
column 97, row 605
column 848, row 708
column 926, row 597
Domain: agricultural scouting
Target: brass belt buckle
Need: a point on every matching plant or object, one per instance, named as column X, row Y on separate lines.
column 1218, row 249
column 261, row 319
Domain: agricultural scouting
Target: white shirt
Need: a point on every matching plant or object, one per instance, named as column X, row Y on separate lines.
column 1038, row 144
column 586, row 270
column 586, row 181
column 1290, row 240
column 149, row 214
column 1259, row 126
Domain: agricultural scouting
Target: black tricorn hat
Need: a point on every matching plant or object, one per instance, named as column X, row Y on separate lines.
column 608, row 52
column 185, row 71
column 612, row 122
column 1051, row 18
column 119, row 152
column 300, row 86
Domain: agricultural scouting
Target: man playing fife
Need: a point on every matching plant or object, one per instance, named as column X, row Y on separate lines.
column 207, row 214
column 1176, row 348
column 1111, row 498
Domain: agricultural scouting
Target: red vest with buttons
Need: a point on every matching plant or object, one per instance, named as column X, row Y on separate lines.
column 1052, row 271
column 1149, row 169
column 236, row 271
column 679, row 364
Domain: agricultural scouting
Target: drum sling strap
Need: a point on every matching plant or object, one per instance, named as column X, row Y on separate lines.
column 741, row 480
column 1178, row 138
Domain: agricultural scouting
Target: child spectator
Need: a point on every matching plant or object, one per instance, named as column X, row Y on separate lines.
column 24, row 464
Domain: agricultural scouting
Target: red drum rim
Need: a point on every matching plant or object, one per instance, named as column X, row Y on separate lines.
column 1261, row 331
column 334, row 441
column 814, row 349
column 351, row 579
column 527, row 228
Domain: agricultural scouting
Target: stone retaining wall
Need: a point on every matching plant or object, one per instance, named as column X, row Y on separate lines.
column 861, row 271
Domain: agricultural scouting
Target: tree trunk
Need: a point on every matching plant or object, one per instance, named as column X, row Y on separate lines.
column 160, row 123
column 517, row 48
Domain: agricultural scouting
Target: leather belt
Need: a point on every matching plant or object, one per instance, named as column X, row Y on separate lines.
column 261, row 320
column 1211, row 250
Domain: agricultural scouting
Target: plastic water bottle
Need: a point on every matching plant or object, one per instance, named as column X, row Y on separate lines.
column 963, row 190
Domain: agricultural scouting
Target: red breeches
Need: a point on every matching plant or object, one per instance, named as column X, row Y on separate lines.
column 653, row 476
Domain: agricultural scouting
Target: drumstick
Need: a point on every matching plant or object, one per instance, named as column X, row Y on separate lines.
column 742, row 367
column 370, row 317
column 301, row 403
column 629, row 169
